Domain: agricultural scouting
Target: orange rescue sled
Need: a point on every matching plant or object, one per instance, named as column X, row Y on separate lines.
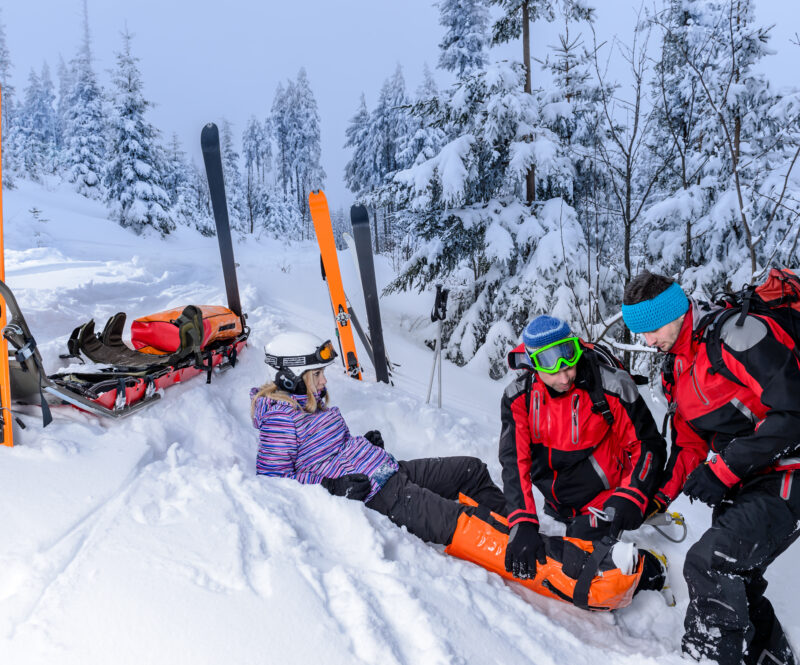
column 572, row 574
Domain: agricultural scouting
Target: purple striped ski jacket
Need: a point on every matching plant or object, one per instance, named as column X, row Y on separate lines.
column 311, row 446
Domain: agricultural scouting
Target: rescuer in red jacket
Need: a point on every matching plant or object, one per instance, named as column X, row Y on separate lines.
column 746, row 412
column 578, row 430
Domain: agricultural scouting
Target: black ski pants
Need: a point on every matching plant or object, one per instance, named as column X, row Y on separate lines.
column 423, row 495
column 729, row 620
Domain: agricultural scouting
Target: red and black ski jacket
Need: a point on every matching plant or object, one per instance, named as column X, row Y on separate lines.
column 569, row 451
column 753, row 421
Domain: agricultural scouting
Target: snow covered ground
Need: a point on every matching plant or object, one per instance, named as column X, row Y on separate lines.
column 151, row 540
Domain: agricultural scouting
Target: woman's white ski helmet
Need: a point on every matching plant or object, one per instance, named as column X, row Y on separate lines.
column 299, row 351
column 293, row 353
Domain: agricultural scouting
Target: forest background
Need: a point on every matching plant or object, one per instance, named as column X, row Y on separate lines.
column 549, row 155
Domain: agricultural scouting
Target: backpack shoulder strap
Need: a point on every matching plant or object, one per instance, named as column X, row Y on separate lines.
column 709, row 330
column 528, row 385
column 595, row 387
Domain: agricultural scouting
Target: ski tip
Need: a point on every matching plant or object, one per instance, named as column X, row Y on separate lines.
column 317, row 199
column 358, row 213
column 209, row 137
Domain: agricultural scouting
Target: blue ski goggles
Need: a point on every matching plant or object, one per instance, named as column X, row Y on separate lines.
column 552, row 358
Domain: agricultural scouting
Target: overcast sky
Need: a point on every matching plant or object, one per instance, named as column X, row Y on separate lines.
column 203, row 60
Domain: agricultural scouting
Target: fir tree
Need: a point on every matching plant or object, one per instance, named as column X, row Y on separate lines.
column 202, row 216
column 306, row 142
column 184, row 187
column 473, row 229
column 232, row 174
column 358, row 174
column 65, row 84
column 280, row 123
column 515, row 23
column 684, row 136
column 466, row 39
column 385, row 151
column 427, row 139
column 134, row 175
column 425, row 143
column 295, row 125
column 745, row 149
column 7, row 118
column 572, row 109
column 175, row 174
column 257, row 152
column 85, row 123
column 37, row 125
column 283, row 219
column 257, row 149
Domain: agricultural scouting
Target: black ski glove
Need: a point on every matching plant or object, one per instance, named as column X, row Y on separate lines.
column 704, row 485
column 374, row 437
column 352, row 486
column 625, row 514
column 525, row 547
column 658, row 504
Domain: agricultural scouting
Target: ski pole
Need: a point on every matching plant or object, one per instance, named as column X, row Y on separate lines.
column 439, row 360
column 436, row 359
column 439, row 313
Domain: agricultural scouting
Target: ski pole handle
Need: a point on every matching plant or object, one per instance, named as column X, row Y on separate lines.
column 439, row 312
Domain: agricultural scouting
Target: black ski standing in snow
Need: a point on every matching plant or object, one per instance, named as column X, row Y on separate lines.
column 209, row 141
column 363, row 239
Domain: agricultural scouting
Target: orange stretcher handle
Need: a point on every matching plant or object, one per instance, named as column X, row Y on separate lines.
column 5, row 379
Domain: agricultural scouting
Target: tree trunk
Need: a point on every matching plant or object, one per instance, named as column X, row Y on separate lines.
column 530, row 178
column 375, row 227
column 386, row 213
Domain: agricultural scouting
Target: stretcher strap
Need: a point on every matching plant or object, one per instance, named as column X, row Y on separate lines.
column 580, row 595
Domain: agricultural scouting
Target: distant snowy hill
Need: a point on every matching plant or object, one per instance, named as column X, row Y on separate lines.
column 151, row 540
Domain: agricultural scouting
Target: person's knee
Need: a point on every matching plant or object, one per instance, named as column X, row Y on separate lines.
column 716, row 588
column 475, row 464
column 698, row 559
column 720, row 551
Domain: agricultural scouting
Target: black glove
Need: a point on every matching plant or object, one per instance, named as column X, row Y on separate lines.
column 374, row 437
column 625, row 514
column 525, row 547
column 704, row 485
column 353, row 486
column 658, row 504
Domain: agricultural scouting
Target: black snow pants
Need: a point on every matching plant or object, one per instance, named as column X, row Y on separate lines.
column 728, row 619
column 423, row 495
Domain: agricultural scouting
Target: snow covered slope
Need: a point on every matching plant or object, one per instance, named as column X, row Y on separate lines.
column 151, row 540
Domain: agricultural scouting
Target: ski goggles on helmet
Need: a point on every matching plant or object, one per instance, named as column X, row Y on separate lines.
column 550, row 359
column 324, row 354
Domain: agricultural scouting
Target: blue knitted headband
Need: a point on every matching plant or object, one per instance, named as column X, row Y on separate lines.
column 650, row 315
